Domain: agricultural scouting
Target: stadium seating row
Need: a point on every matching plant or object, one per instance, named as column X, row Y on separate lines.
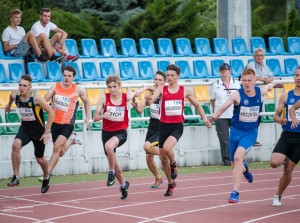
column 90, row 72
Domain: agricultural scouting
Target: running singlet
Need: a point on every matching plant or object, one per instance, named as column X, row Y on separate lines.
column 118, row 114
column 172, row 106
column 154, row 115
column 65, row 104
column 246, row 114
column 31, row 114
column 290, row 100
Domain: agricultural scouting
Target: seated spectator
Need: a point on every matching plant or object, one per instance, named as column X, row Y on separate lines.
column 18, row 43
column 44, row 26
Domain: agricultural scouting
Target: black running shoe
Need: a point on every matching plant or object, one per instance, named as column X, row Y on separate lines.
column 111, row 178
column 170, row 189
column 173, row 170
column 14, row 181
column 55, row 58
column 42, row 58
column 124, row 191
column 45, row 185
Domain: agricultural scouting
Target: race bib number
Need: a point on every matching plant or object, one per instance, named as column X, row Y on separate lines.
column 297, row 113
column 173, row 107
column 154, row 111
column 62, row 103
column 249, row 114
column 116, row 113
column 27, row 114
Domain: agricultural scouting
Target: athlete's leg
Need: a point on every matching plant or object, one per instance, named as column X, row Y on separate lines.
column 110, row 146
column 238, row 167
column 44, row 166
column 167, row 156
column 58, row 145
column 16, row 156
column 66, row 146
column 286, row 177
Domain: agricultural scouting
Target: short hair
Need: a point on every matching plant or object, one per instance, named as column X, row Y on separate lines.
column 113, row 78
column 159, row 72
column 44, row 10
column 69, row 68
column 248, row 71
column 259, row 49
column 26, row 77
column 174, row 68
column 15, row 12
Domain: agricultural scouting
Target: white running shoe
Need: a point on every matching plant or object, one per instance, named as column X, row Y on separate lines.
column 276, row 200
column 76, row 140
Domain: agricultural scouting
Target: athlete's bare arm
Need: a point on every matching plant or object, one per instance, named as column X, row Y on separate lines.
column 12, row 97
column 158, row 91
column 100, row 106
column 268, row 87
column 279, row 110
column 50, row 93
column 87, row 106
column 141, row 107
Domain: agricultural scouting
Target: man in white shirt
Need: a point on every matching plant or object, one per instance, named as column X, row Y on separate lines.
column 58, row 40
column 18, row 43
column 219, row 93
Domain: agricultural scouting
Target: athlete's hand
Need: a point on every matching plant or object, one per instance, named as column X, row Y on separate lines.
column 295, row 123
column 207, row 123
column 105, row 115
column 46, row 138
column 87, row 122
column 7, row 108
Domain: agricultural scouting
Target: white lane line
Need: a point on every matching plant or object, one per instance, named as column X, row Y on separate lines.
column 272, row 215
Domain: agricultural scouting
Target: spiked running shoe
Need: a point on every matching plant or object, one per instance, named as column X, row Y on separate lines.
column 76, row 140
column 234, row 197
column 174, row 170
column 276, row 201
column 14, row 181
column 124, row 191
column 170, row 189
column 157, row 183
column 247, row 174
column 111, row 178
column 45, row 185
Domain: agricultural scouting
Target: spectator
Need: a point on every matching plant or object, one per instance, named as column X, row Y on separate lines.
column 18, row 43
column 58, row 40
column 219, row 93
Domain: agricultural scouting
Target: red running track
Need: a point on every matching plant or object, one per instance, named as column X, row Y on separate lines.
column 197, row 198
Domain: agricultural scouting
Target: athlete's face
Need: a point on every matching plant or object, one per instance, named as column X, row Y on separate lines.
column 68, row 77
column 158, row 80
column 297, row 77
column 15, row 19
column 45, row 17
column 24, row 88
column 172, row 76
column 114, row 88
column 248, row 82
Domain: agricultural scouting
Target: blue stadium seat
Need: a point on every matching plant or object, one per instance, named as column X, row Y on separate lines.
column 162, row 65
column 53, row 71
column 239, row 46
column 127, row 71
column 3, row 77
column 78, row 77
column 275, row 68
column 146, row 69
column 106, row 69
column 16, row 70
column 290, row 66
column 147, row 48
column 165, row 47
column 108, row 48
column 89, row 71
column 259, row 42
column 215, row 67
column 293, row 44
column 185, row 70
column 183, row 47
column 237, row 66
column 35, row 70
column 72, row 48
column 128, row 48
column 89, row 48
column 202, row 47
column 200, row 69
column 3, row 56
column 276, row 46
column 221, row 47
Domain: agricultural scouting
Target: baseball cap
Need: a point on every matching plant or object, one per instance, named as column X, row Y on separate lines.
column 224, row 66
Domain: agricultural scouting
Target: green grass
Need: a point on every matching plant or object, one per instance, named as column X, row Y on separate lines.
column 33, row 181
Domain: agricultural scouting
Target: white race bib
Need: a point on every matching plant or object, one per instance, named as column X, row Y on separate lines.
column 249, row 114
column 116, row 113
column 297, row 113
column 27, row 114
column 154, row 110
column 173, row 107
column 61, row 103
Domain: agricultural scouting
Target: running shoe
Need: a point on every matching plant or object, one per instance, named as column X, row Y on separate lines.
column 71, row 58
column 111, row 178
column 124, row 191
column 234, row 197
column 157, row 183
column 174, row 170
column 76, row 140
column 45, row 185
column 55, row 58
column 276, row 201
column 14, row 181
column 42, row 58
column 170, row 189
column 247, row 174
